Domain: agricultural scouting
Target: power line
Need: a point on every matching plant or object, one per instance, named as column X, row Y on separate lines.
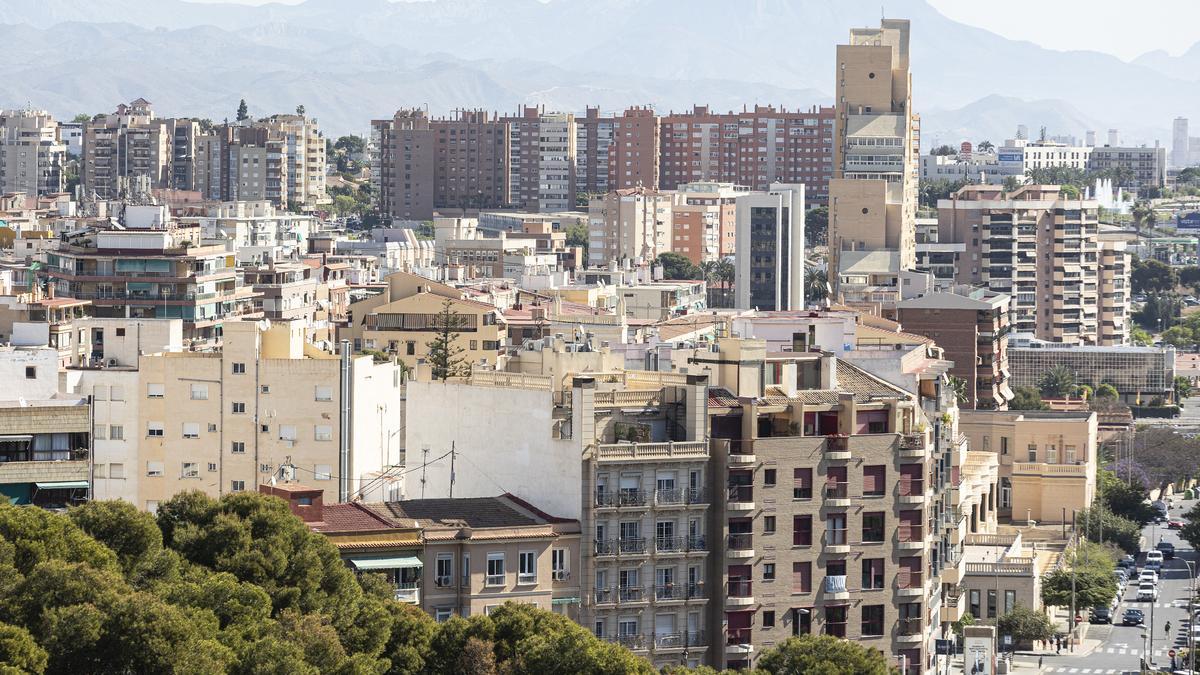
column 393, row 472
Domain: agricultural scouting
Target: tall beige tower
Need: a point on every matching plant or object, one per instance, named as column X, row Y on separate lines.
column 873, row 193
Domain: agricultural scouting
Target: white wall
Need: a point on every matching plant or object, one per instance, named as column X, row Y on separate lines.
column 377, row 426
column 120, row 481
column 503, row 443
column 17, row 382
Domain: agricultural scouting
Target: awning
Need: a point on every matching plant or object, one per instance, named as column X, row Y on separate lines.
column 401, row 562
column 565, row 601
column 11, row 438
column 63, row 485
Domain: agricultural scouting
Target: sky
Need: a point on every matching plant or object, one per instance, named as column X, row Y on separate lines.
column 1108, row 26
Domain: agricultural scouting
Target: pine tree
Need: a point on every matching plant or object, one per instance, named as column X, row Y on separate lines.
column 243, row 112
column 444, row 354
column 300, row 109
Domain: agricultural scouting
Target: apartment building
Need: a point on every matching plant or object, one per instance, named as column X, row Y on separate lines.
column 975, row 168
column 1047, row 459
column 1022, row 155
column 704, row 226
column 594, row 135
column 873, row 193
column 631, row 223
column 45, row 437
column 754, row 148
column 287, row 291
column 614, row 152
column 402, row 320
column 305, row 157
column 226, row 421
column 162, row 273
column 971, row 325
column 1145, row 166
column 127, row 152
column 259, row 231
column 1116, row 265
column 769, row 261
column 1043, row 250
column 541, row 160
column 280, row 159
column 32, row 153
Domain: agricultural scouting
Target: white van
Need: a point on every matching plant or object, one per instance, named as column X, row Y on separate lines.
column 1154, row 556
column 1147, row 591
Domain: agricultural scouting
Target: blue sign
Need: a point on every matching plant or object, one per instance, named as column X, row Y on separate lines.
column 1188, row 221
column 1010, row 157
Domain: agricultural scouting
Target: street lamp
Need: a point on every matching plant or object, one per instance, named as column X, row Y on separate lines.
column 1191, row 596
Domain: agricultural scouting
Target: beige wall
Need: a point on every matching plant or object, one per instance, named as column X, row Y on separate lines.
column 412, row 345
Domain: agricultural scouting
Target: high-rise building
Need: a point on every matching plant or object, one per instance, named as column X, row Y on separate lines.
column 873, row 194
column 1145, row 167
column 769, row 263
column 304, row 147
column 754, row 148
column 593, row 141
column 32, row 153
column 1042, row 249
column 280, row 159
column 616, row 152
column 705, row 224
column 127, row 152
column 630, row 224
column 1179, row 143
column 541, row 160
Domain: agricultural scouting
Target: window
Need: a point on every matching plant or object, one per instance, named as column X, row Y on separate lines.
column 466, row 571
column 991, row 603
column 1010, row 601
column 265, row 468
column 31, row 372
column 768, row 618
column 155, row 390
column 191, row 430
column 802, row 577
column 872, row 620
column 1069, row 457
column 558, row 564
column 323, row 472
column 237, row 447
column 974, row 602
column 116, row 470
column 190, row 470
column 154, row 429
column 287, row 432
column 1004, row 445
column 1033, row 452
column 120, row 332
column 495, row 569
column 212, row 466
column 100, row 392
column 239, row 408
column 443, row 575
column 802, row 620
column 154, row 468
column 769, row 477
column 199, row 392
column 835, row 620
column 874, row 480
column 100, row 432
column 264, row 428
column 116, row 393
column 802, row 484
column 239, row 368
column 237, row 486
column 442, row 614
column 324, row 393
column 802, row 530
column 527, row 573
column 872, row 574
column 265, row 389
column 768, row 524
column 323, row 432
column 872, row 527
column 768, row 571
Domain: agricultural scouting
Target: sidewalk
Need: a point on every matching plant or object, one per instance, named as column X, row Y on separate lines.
column 1026, row 662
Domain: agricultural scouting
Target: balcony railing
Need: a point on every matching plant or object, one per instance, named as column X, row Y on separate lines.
column 670, row 544
column 697, row 542
column 741, row 493
column 604, row 595
column 835, row 583
column 737, row 636
column 628, row 641
column 911, row 626
column 910, row 533
column 908, row 579
column 696, row 495
column 680, row 640
column 912, row 441
column 632, row 545
column 834, row 490
column 837, row 443
column 740, row 588
column 741, row 541
column 911, row 487
column 836, row 537
column 670, row 496
column 631, row 593
column 620, row 498
column 671, row 592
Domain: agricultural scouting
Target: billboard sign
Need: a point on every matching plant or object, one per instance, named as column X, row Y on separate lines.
column 1188, row 221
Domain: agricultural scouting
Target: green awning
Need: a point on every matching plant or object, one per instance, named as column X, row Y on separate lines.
column 401, row 562
column 64, row 485
column 564, row 601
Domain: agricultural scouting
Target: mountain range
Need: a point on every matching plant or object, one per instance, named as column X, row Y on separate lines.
column 349, row 61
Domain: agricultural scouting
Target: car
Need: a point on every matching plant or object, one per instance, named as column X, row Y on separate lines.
column 1174, row 524
column 1147, row 591
column 1148, row 575
column 1167, row 549
column 1133, row 617
column 1154, row 556
column 1100, row 615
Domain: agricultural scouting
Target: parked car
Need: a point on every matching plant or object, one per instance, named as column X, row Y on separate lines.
column 1133, row 617
column 1167, row 549
column 1101, row 615
column 1174, row 524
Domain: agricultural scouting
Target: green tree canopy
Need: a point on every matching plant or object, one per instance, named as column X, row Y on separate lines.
column 243, row 111
column 1025, row 625
column 82, row 118
column 1106, row 390
column 1027, row 398
column 677, row 266
column 823, row 655
column 1058, row 382
column 445, row 354
column 816, row 226
column 1152, row 276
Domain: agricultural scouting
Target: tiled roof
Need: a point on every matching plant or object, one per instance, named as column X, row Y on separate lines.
column 351, row 517
column 721, row 398
column 863, row 384
column 683, row 325
column 474, row 511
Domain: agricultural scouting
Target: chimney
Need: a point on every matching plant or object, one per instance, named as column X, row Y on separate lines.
column 307, row 504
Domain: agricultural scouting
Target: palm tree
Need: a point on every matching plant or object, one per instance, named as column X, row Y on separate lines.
column 985, row 146
column 959, row 386
column 1058, row 382
column 816, row 285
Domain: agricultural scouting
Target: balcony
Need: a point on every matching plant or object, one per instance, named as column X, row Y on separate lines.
column 669, row 545
column 910, row 537
column 908, row 583
column 633, row 642
column 672, row 450
column 909, row 630
column 631, row 594
column 605, row 596
column 741, row 452
column 632, row 546
column 835, row 587
column 620, row 499
column 664, row 641
column 912, row 490
column 670, row 497
column 953, row 607
column 912, row 445
column 739, row 593
column 837, row 447
column 74, row 469
column 740, row 545
column 741, row 498
column 696, row 496
column 738, row 642
column 837, row 495
column 837, row 541
column 408, row 592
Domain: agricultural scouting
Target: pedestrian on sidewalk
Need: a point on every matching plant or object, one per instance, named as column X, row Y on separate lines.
column 1040, row 663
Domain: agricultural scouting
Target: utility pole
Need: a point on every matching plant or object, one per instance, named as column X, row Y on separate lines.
column 1071, row 619
column 452, row 455
column 424, row 464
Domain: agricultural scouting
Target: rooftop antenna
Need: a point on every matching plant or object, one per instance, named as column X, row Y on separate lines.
column 424, row 464
column 452, row 455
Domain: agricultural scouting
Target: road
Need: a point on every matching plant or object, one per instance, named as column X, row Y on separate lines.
column 1121, row 647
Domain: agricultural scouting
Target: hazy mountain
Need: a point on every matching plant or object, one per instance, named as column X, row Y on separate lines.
column 350, row 60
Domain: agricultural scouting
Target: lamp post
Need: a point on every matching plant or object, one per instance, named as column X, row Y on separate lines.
column 1191, row 617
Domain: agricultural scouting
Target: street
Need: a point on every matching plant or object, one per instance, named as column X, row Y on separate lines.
column 1121, row 647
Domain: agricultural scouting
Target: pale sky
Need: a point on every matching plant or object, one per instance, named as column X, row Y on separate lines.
column 1110, row 26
